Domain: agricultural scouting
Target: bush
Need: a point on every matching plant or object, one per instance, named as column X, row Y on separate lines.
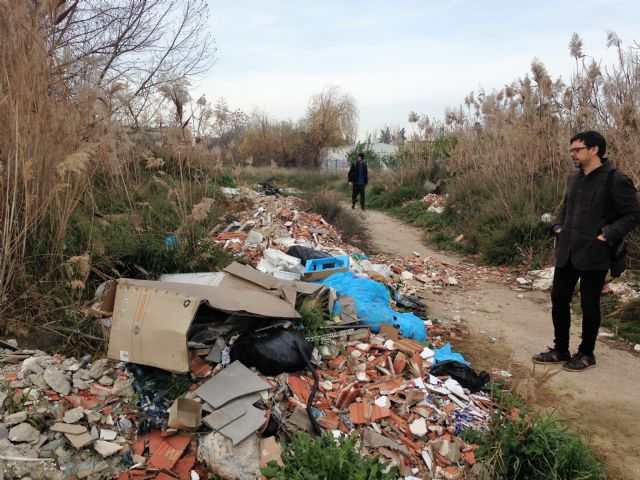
column 393, row 197
column 534, row 448
column 325, row 458
column 312, row 319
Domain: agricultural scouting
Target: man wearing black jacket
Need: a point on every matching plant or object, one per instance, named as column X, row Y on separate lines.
column 587, row 231
column 358, row 178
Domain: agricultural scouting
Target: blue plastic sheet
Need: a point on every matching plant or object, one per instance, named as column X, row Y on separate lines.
column 444, row 353
column 372, row 304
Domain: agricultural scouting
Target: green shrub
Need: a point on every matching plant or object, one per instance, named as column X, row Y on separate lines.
column 622, row 319
column 227, row 180
column 325, row 458
column 313, row 318
column 394, row 197
column 534, row 448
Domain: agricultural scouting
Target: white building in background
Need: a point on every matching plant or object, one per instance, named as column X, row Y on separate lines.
column 336, row 158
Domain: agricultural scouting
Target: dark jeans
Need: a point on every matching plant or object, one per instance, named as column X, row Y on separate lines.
column 564, row 283
column 357, row 190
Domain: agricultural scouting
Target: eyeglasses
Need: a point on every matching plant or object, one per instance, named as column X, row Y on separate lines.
column 576, row 149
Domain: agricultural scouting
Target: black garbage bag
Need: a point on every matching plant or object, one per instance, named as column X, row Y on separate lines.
column 272, row 351
column 306, row 253
column 463, row 374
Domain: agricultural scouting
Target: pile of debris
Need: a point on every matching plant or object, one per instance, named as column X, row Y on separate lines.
column 436, row 202
column 63, row 417
column 209, row 372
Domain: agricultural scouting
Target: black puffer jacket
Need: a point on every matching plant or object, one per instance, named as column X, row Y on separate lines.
column 583, row 217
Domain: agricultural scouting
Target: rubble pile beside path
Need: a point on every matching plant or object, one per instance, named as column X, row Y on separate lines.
column 216, row 416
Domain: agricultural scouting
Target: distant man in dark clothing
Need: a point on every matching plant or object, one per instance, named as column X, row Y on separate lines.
column 592, row 222
column 359, row 178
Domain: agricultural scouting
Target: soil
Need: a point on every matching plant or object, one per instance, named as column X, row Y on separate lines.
column 505, row 331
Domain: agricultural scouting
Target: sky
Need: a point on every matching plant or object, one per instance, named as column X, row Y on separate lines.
column 397, row 57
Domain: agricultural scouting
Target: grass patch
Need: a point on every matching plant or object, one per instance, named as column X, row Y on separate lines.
column 325, row 458
column 534, row 448
column 313, row 318
column 384, row 198
column 623, row 319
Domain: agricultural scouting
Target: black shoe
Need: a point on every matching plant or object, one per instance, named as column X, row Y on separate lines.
column 580, row 362
column 353, row 207
column 552, row 356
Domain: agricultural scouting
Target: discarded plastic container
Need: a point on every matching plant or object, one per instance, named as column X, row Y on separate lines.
column 318, row 268
column 171, row 241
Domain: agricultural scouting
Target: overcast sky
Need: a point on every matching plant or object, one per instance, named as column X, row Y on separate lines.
column 394, row 57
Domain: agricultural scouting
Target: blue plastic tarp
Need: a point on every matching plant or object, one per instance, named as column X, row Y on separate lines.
column 372, row 304
column 444, row 353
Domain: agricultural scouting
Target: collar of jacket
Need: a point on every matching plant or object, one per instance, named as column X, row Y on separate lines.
column 604, row 168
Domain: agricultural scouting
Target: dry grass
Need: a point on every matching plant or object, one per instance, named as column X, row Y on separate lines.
column 510, row 160
column 61, row 147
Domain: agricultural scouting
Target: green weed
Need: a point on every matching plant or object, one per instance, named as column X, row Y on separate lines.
column 325, row 458
column 623, row 319
column 534, row 448
column 313, row 318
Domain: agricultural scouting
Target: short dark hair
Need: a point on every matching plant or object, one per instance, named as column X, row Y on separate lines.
column 361, row 155
column 591, row 139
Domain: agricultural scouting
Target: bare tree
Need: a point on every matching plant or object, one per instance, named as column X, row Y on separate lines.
column 135, row 46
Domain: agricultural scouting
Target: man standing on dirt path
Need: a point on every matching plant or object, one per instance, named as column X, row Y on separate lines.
column 600, row 207
column 358, row 178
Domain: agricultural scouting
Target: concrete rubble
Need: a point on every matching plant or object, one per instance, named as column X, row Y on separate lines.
column 108, row 419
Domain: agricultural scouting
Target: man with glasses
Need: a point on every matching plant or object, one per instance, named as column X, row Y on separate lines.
column 599, row 208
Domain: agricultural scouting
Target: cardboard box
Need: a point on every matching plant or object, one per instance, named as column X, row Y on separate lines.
column 151, row 319
column 185, row 414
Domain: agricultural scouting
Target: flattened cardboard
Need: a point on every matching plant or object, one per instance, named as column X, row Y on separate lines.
column 185, row 414
column 244, row 276
column 151, row 319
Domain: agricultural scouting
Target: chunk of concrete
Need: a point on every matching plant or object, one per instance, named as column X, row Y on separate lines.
column 15, row 419
column 418, row 427
column 105, row 381
column 38, row 380
column 24, row 433
column 450, row 450
column 241, row 462
column 108, row 435
column 80, row 384
column 67, row 428
column 57, row 381
column 98, row 368
column 106, row 449
column 74, row 415
column 31, row 365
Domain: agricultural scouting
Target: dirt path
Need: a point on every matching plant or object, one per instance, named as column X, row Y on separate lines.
column 506, row 331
